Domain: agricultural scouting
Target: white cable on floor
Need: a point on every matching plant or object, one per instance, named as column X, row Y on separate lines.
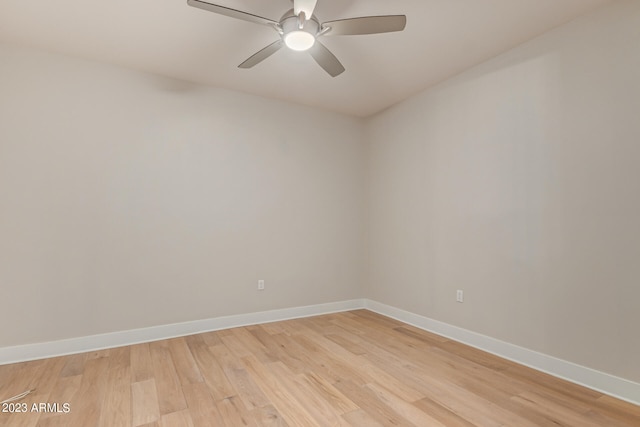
column 18, row 396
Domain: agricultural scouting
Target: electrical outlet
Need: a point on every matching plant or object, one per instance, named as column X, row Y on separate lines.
column 261, row 285
column 459, row 296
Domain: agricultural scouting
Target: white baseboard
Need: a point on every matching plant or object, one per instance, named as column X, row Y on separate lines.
column 23, row 353
column 596, row 380
column 600, row 381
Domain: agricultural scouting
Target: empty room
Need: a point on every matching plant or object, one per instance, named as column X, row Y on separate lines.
column 320, row 213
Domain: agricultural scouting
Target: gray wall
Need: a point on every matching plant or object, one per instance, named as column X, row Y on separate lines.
column 129, row 200
column 519, row 183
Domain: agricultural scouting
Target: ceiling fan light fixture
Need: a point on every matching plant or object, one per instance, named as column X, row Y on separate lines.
column 299, row 40
column 300, row 30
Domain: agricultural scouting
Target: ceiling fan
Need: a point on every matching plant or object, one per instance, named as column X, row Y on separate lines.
column 300, row 29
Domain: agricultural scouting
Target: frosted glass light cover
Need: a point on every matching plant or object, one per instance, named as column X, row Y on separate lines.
column 299, row 40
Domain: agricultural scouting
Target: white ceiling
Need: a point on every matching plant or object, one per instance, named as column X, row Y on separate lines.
column 167, row 37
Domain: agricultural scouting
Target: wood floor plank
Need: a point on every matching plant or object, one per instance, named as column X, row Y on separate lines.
column 471, row 406
column 116, row 408
column 612, row 404
column 313, row 402
column 20, row 420
column 561, row 414
column 253, row 345
column 224, row 357
column 537, row 379
column 211, row 371
column 441, row 413
column 202, row 407
column 288, row 350
column 616, row 409
column 46, row 376
column 234, row 413
column 268, row 416
column 170, row 397
column 177, row 419
column 52, row 421
column 74, row 365
column 63, row 392
column 340, row 362
column 86, row 405
column 231, row 340
column 40, row 377
column 369, row 402
column 345, row 343
column 185, row 365
column 99, row 353
column 144, row 403
column 352, row 369
column 421, row 335
column 368, row 372
column 248, row 391
column 361, row 418
column 341, row 404
column 141, row 366
column 404, row 408
column 274, row 328
column 282, row 398
column 22, row 377
column 211, row 338
column 393, row 382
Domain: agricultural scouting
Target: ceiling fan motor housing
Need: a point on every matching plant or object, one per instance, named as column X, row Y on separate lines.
column 294, row 25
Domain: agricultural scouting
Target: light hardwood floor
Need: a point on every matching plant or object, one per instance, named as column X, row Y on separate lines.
column 348, row 369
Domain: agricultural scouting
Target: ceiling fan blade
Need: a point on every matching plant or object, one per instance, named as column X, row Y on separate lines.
column 261, row 55
column 306, row 6
column 366, row 25
column 326, row 59
column 231, row 12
